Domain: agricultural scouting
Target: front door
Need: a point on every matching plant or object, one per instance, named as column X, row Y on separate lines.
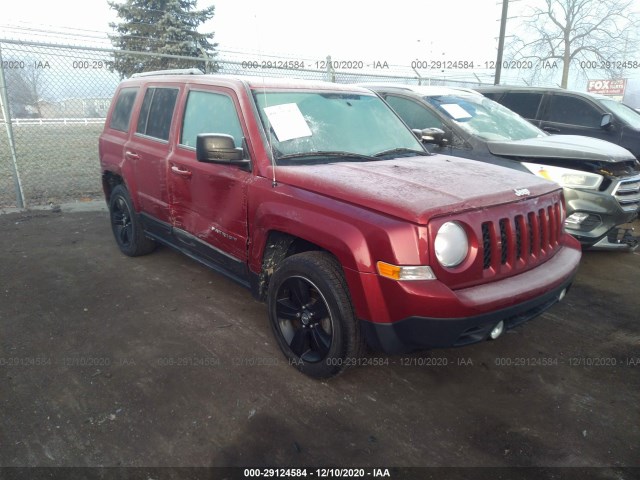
column 568, row 115
column 209, row 201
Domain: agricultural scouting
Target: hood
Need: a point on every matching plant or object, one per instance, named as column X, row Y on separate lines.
column 562, row 147
column 416, row 188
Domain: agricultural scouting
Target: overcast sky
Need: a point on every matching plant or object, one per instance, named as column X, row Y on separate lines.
column 355, row 28
column 453, row 30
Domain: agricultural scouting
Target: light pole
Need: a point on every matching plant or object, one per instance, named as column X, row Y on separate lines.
column 503, row 27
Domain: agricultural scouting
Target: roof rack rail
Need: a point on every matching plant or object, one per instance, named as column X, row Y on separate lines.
column 175, row 71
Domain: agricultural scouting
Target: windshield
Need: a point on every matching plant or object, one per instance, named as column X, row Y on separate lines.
column 627, row 114
column 484, row 118
column 332, row 126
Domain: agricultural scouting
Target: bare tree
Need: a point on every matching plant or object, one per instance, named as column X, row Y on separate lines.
column 25, row 88
column 582, row 34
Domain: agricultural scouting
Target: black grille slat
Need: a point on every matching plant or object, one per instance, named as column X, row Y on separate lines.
column 531, row 235
column 504, row 241
column 486, row 245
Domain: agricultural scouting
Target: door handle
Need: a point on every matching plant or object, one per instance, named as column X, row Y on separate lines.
column 551, row 129
column 131, row 155
column 178, row 171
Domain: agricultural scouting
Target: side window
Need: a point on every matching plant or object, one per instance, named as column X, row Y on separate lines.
column 208, row 112
column 144, row 111
column 156, row 112
column 572, row 111
column 523, row 103
column 121, row 115
column 414, row 114
column 492, row 95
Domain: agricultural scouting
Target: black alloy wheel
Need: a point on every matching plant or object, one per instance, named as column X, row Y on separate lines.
column 126, row 225
column 304, row 319
column 311, row 315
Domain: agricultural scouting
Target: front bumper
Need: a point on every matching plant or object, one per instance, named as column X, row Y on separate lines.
column 416, row 333
column 602, row 211
column 437, row 319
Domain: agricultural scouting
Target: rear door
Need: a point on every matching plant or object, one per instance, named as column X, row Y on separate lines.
column 148, row 149
column 525, row 104
column 116, row 132
column 209, row 201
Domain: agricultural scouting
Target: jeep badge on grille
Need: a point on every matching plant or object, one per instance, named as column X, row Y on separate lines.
column 521, row 192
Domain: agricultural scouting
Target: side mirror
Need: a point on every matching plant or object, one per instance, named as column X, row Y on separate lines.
column 218, row 148
column 607, row 121
column 432, row 135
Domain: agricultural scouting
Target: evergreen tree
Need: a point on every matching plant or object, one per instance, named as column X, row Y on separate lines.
column 161, row 27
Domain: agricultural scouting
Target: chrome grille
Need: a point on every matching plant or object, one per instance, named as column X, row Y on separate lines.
column 627, row 192
column 521, row 240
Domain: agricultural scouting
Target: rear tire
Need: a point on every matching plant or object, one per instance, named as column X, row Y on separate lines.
column 312, row 317
column 126, row 225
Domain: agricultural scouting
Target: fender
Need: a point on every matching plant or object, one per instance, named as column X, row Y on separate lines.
column 357, row 237
column 335, row 235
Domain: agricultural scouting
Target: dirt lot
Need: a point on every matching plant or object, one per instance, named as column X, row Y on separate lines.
column 156, row 361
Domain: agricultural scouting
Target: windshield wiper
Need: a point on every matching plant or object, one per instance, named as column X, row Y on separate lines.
column 400, row 150
column 357, row 156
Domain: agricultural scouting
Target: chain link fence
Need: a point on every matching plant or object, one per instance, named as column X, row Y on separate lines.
column 54, row 99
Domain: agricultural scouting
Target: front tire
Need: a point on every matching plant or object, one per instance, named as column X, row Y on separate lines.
column 311, row 315
column 126, row 225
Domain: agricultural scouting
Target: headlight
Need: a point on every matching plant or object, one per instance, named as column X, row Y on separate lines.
column 451, row 244
column 566, row 177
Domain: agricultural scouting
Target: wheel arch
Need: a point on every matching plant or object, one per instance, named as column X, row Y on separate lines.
column 111, row 179
column 278, row 246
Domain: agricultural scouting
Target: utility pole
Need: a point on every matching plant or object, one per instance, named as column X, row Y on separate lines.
column 207, row 60
column 503, row 27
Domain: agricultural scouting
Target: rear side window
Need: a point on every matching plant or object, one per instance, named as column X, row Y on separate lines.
column 414, row 114
column 156, row 112
column 121, row 115
column 524, row 104
column 208, row 112
column 572, row 111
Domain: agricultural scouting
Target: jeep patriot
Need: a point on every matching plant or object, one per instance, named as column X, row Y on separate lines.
column 322, row 202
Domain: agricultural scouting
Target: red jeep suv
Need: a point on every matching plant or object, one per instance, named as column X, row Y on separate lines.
column 319, row 199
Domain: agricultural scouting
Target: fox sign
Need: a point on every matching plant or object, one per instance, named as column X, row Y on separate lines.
column 607, row 87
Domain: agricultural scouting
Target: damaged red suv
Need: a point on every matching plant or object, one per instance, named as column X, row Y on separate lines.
column 321, row 201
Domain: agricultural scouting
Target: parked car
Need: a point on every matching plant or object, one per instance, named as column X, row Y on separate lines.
column 601, row 180
column 566, row 112
column 318, row 198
